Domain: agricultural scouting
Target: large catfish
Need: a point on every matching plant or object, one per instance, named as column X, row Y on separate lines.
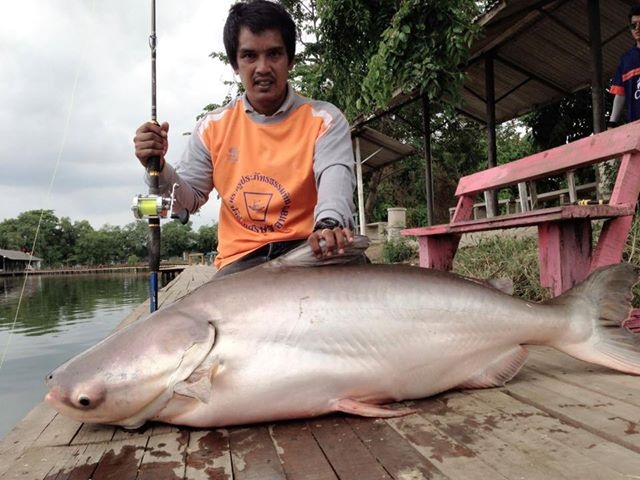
column 296, row 338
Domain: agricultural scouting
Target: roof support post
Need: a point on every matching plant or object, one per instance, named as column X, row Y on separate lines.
column 428, row 170
column 492, row 155
column 361, row 217
column 597, row 97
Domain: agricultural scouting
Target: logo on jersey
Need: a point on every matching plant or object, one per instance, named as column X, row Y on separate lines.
column 260, row 203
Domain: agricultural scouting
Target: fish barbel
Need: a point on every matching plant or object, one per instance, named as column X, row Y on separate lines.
column 291, row 339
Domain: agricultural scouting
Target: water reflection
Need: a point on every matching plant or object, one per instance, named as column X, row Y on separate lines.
column 59, row 317
column 51, row 302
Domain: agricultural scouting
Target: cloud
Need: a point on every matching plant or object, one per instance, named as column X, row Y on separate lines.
column 74, row 86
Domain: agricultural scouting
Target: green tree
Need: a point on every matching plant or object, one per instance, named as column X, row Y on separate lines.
column 207, row 238
column 100, row 247
column 134, row 239
column 176, row 239
column 20, row 234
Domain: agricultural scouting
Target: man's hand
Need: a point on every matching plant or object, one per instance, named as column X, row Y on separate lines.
column 335, row 239
column 151, row 140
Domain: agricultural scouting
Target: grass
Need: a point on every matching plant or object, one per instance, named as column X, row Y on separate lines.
column 517, row 259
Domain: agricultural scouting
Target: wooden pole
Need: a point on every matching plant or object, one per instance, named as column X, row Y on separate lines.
column 597, row 96
column 361, row 217
column 492, row 155
column 428, row 173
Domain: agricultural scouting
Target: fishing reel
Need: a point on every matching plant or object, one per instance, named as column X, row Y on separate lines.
column 157, row 206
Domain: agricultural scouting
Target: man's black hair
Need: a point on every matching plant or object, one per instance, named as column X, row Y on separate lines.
column 258, row 16
column 635, row 10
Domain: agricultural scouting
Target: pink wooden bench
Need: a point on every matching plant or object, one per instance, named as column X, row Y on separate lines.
column 565, row 249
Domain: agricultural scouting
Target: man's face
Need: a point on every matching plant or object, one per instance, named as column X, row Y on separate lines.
column 635, row 28
column 263, row 67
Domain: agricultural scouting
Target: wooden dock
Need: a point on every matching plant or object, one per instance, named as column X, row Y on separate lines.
column 558, row 419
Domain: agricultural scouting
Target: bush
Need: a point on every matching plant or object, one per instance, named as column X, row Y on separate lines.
column 399, row 250
column 133, row 260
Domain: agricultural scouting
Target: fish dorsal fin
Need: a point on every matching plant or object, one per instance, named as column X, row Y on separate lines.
column 303, row 256
column 505, row 285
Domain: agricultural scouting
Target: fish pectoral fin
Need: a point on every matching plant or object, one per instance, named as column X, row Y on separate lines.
column 500, row 370
column 198, row 385
column 363, row 409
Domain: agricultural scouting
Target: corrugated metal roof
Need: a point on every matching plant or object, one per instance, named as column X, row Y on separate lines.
column 17, row 255
column 377, row 149
column 542, row 53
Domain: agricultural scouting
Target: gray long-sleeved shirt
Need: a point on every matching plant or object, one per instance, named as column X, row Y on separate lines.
column 234, row 138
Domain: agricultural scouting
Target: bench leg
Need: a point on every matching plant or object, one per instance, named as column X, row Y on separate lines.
column 612, row 241
column 438, row 251
column 564, row 250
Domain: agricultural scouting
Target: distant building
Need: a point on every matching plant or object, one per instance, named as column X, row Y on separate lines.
column 16, row 261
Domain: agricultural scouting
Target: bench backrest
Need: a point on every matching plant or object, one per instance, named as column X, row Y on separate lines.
column 586, row 151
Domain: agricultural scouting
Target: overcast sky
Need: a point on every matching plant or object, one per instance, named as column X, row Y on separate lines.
column 45, row 46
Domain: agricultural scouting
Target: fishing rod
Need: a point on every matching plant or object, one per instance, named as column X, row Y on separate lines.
column 154, row 206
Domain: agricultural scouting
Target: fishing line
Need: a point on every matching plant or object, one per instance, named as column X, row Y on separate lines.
column 63, row 143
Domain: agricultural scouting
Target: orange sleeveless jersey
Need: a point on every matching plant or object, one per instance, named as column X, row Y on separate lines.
column 264, row 175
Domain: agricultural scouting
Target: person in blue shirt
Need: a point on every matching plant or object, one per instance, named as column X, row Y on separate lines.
column 625, row 85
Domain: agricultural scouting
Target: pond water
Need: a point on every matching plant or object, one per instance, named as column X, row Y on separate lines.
column 58, row 318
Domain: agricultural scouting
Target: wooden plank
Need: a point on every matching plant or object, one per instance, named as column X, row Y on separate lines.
column 253, row 454
column 582, row 152
column 300, row 455
column 164, row 457
column 453, row 458
column 24, row 434
column 627, row 184
column 542, row 449
column 93, row 433
column 477, row 435
column 614, row 457
column 393, row 452
column 209, row 456
column 600, row 379
column 61, row 431
column 350, row 459
column 612, row 241
column 564, row 254
column 41, row 463
column 121, row 460
column 80, row 466
column 438, row 251
column 598, row 413
column 526, row 219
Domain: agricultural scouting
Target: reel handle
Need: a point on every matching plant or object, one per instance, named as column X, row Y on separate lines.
column 182, row 216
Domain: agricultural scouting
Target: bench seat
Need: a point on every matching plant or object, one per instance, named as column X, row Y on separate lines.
column 565, row 242
column 526, row 219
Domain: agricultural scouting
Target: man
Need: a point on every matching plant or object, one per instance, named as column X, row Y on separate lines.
column 281, row 163
column 626, row 82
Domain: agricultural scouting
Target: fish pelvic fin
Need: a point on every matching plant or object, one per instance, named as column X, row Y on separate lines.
column 599, row 308
column 500, row 371
column 303, row 256
column 363, row 409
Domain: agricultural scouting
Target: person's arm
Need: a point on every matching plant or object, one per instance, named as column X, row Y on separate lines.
column 193, row 173
column 616, row 111
column 335, row 183
column 617, row 90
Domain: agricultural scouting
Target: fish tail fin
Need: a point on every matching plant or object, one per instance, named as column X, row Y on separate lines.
column 598, row 330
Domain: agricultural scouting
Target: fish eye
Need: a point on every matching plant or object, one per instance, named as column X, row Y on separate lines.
column 84, row 400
